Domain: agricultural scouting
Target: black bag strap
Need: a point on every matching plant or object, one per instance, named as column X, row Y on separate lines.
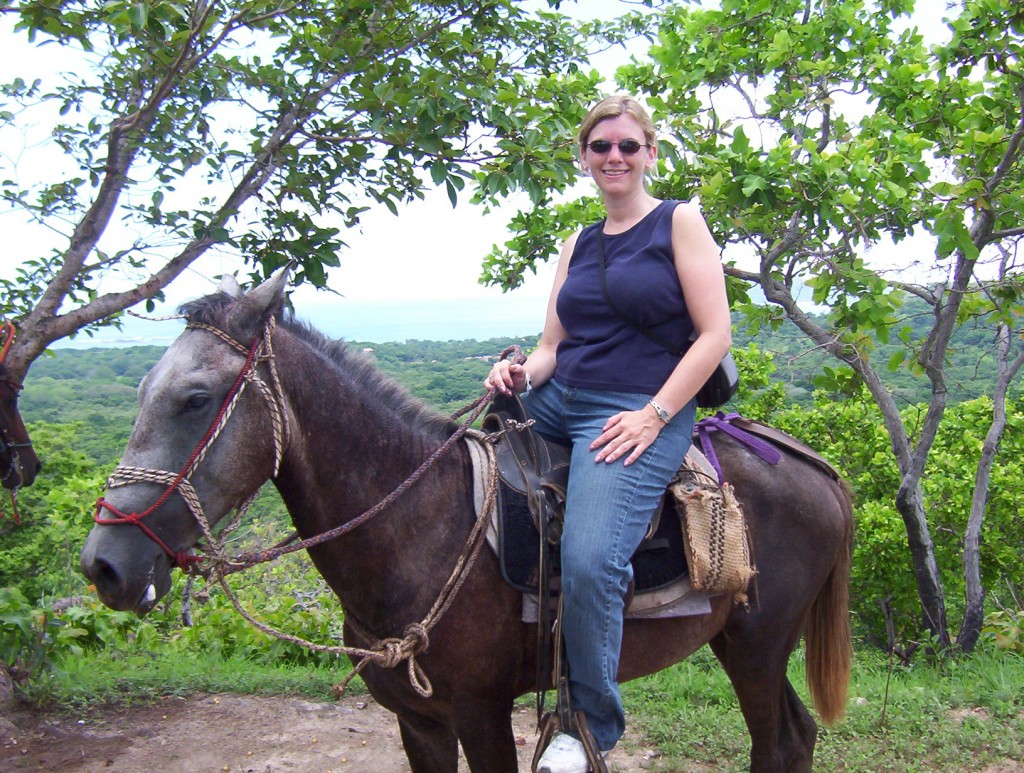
column 678, row 350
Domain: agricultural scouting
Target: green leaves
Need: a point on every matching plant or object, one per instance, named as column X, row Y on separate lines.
column 267, row 130
column 753, row 183
column 837, row 147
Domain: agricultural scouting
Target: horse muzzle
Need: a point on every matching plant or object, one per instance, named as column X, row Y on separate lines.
column 130, row 572
column 22, row 465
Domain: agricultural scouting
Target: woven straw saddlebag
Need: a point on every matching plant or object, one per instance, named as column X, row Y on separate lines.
column 714, row 533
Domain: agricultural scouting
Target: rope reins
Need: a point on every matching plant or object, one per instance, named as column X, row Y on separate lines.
column 391, row 651
column 387, row 652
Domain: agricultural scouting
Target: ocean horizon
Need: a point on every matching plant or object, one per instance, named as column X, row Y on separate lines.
column 365, row 321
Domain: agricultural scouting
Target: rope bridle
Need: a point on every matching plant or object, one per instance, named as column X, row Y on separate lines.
column 388, row 652
column 8, row 445
column 259, row 350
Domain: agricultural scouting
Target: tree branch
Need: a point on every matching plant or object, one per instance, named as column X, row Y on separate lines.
column 90, row 228
column 778, row 293
column 121, row 154
column 1006, row 233
column 1012, row 150
column 259, row 171
column 923, row 293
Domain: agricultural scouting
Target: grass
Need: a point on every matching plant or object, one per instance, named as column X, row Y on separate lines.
column 954, row 714
column 115, row 677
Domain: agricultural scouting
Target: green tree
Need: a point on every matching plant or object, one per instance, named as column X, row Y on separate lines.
column 850, row 433
column 820, row 135
column 40, row 555
column 263, row 130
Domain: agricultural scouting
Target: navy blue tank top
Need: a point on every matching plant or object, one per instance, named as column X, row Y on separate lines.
column 601, row 349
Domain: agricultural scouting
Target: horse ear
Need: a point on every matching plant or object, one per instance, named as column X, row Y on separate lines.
column 229, row 286
column 247, row 316
column 268, row 298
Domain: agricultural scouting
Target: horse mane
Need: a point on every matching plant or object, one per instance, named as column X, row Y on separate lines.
column 208, row 310
column 359, row 366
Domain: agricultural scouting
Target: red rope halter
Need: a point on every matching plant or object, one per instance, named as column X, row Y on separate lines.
column 181, row 558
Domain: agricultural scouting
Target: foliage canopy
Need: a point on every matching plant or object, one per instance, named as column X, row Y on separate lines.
column 825, row 141
column 264, row 131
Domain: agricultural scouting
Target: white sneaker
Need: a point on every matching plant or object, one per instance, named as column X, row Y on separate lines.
column 564, row 755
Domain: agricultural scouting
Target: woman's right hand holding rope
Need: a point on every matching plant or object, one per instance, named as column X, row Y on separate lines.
column 507, row 377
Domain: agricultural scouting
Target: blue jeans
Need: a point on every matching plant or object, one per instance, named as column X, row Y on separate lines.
column 608, row 510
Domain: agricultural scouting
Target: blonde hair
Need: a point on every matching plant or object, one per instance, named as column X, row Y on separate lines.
column 613, row 107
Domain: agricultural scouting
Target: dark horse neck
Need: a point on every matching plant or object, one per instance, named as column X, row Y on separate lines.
column 355, row 437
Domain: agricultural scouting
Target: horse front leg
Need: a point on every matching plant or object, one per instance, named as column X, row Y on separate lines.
column 430, row 746
column 485, row 732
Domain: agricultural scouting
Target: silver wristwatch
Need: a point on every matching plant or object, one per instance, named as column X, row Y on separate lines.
column 662, row 413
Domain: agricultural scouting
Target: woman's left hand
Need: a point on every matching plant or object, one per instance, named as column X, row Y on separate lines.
column 624, row 432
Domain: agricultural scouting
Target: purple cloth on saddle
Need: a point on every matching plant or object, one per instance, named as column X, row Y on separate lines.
column 722, row 422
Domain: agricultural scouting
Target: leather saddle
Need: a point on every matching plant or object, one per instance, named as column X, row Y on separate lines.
column 533, row 480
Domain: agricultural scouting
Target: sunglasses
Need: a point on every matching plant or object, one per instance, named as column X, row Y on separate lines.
column 626, row 147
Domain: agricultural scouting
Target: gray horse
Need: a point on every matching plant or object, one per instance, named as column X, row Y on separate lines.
column 336, row 436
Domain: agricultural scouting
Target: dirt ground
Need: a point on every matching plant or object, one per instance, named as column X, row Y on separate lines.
column 235, row 734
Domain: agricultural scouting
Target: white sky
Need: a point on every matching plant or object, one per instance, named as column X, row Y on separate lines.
column 430, row 251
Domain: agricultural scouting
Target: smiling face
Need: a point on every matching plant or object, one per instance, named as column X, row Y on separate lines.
column 616, row 172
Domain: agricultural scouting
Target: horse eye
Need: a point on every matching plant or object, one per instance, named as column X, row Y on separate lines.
column 195, row 402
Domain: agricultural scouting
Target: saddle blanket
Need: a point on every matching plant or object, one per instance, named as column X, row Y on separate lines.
column 678, row 599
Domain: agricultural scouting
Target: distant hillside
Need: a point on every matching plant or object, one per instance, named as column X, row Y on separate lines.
column 969, row 373
column 97, row 387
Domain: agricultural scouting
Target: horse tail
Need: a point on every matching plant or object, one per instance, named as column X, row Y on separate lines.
column 827, row 638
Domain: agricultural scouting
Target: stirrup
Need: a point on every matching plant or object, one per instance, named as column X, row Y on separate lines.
column 552, row 724
column 563, row 718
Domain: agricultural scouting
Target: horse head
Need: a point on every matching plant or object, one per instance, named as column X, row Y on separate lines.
column 19, row 464
column 198, row 449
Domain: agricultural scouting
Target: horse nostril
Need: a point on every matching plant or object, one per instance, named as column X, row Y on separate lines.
column 104, row 575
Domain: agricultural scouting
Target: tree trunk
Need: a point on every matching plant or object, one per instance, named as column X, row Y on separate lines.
column 911, row 459
column 926, row 569
column 974, row 611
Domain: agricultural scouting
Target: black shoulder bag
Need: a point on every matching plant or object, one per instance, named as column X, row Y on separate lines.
column 722, row 384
